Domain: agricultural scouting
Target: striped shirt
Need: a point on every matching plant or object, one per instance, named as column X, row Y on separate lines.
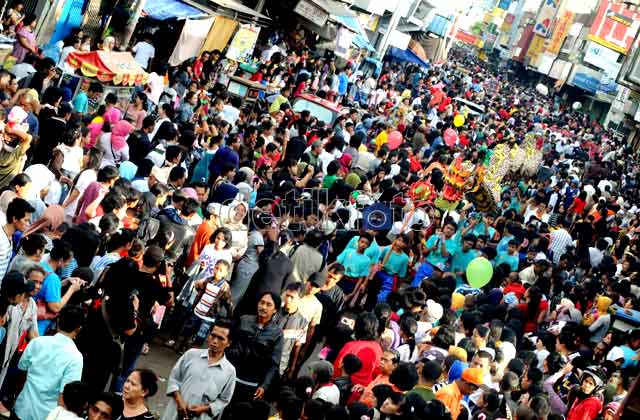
column 6, row 249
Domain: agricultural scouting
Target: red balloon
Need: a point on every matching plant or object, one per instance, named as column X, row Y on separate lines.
column 450, row 137
column 394, row 140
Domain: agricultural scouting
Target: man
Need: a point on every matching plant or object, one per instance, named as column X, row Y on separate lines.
column 227, row 154
column 313, row 155
column 281, row 98
column 51, row 362
column 150, row 292
column 531, row 274
column 510, row 257
column 311, row 309
column 144, row 51
column 441, row 248
column 104, row 406
column 19, row 214
column 429, row 375
column 464, row 256
column 560, row 240
column 452, row 395
column 202, row 382
column 388, row 362
column 306, row 258
column 256, row 350
column 357, row 264
column 87, row 102
column 139, row 142
column 294, row 328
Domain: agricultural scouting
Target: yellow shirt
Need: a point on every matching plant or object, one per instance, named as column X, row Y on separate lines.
column 381, row 139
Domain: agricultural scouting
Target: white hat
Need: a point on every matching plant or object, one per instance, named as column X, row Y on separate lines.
column 434, row 310
column 615, row 354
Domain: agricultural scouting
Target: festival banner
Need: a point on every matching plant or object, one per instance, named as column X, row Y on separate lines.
column 560, row 32
column 243, row 43
column 615, row 26
column 545, row 17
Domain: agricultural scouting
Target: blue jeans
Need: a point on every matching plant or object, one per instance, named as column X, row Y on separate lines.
column 132, row 351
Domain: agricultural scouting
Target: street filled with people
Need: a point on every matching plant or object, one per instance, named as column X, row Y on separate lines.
column 451, row 243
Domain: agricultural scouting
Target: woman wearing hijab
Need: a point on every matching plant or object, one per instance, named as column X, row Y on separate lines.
column 585, row 401
column 114, row 145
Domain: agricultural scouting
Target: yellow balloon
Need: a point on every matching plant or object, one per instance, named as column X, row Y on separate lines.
column 458, row 120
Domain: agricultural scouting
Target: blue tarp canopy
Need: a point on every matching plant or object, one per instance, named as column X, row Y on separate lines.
column 351, row 22
column 169, row 9
column 407, row 55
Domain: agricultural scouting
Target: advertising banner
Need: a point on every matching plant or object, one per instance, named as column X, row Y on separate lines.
column 545, row 17
column 560, row 32
column 243, row 43
column 615, row 26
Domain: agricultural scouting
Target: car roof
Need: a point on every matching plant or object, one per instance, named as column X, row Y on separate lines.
column 320, row 101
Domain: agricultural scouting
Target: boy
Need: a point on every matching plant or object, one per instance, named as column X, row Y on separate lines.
column 356, row 264
column 511, row 257
column 208, row 293
column 294, row 328
column 351, row 364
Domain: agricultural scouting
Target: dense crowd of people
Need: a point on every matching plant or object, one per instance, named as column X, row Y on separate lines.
column 291, row 262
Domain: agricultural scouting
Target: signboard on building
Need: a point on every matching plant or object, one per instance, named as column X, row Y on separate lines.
column 466, row 37
column 615, row 26
column 507, row 23
column 592, row 81
column 536, row 47
column 603, row 58
column 560, row 32
column 241, row 47
column 312, row 12
column 545, row 17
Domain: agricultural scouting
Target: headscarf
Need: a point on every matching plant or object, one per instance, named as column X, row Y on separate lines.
column 119, row 134
column 353, row 180
column 111, row 116
column 345, row 161
column 456, row 369
column 128, row 170
column 52, row 218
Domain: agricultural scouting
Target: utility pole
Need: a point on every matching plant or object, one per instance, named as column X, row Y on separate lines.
column 393, row 24
column 131, row 25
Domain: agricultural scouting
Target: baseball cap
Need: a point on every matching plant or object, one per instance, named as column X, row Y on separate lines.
column 15, row 284
column 473, row 376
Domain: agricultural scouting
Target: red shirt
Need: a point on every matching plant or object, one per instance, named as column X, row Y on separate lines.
column 532, row 324
column 369, row 352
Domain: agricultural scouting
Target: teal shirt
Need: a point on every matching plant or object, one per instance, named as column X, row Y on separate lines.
column 479, row 230
column 505, row 258
column 51, row 362
column 373, row 252
column 355, row 264
column 81, row 103
column 396, row 263
column 503, row 245
column 435, row 257
column 462, row 259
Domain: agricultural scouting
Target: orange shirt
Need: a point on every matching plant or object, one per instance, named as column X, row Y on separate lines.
column 200, row 240
column 367, row 395
column 451, row 397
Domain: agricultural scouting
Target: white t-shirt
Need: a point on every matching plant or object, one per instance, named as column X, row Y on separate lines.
column 85, row 178
column 328, row 393
column 156, row 82
column 72, row 158
column 144, row 52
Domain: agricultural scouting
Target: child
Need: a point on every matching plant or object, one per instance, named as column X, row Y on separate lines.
column 351, row 364
column 210, row 295
column 325, row 390
column 74, row 402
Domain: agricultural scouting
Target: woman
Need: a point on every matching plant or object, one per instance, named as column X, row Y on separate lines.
column 534, row 309
column 218, row 249
column 91, row 163
column 137, row 109
column 141, row 384
column 114, row 144
column 585, row 403
column 26, row 39
column 248, row 263
column 33, row 247
column 118, row 245
column 599, row 319
column 239, row 230
column 366, row 347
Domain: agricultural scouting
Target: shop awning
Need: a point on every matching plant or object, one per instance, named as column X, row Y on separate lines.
column 352, row 23
column 170, row 9
column 118, row 68
column 407, row 56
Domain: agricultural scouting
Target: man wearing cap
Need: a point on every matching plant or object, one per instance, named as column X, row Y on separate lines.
column 452, row 395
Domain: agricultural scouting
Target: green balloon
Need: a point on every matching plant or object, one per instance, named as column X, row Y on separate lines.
column 479, row 272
